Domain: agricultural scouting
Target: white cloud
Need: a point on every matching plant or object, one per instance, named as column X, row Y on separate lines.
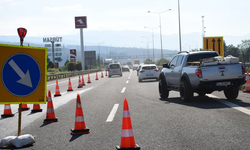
column 76, row 7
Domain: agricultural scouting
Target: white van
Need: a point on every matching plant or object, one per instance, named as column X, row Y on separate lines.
column 115, row 69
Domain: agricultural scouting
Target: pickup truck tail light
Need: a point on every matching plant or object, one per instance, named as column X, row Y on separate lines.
column 243, row 70
column 157, row 70
column 198, row 73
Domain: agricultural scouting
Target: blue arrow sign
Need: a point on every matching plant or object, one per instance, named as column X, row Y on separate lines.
column 21, row 74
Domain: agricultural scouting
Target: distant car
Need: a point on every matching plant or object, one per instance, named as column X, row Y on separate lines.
column 115, row 69
column 125, row 68
column 148, row 71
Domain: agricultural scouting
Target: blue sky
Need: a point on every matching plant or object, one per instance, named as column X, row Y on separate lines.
column 56, row 17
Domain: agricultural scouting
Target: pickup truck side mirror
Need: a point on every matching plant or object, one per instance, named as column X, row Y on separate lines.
column 165, row 66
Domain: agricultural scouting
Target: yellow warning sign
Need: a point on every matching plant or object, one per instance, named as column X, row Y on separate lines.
column 214, row 43
column 23, row 74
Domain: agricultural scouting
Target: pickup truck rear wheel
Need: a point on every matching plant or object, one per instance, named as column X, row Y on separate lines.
column 162, row 87
column 186, row 91
column 231, row 93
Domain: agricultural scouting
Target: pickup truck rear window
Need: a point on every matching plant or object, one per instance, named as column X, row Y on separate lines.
column 198, row 57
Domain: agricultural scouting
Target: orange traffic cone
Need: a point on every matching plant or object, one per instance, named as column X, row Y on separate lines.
column 36, row 108
column 80, row 127
column 57, row 89
column 88, row 79
column 50, row 116
column 25, row 107
column 247, row 84
column 102, row 75
column 70, row 86
column 83, row 84
column 127, row 140
column 80, row 82
column 106, row 74
column 7, row 111
column 96, row 77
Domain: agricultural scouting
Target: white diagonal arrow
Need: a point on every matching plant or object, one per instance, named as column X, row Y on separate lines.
column 25, row 78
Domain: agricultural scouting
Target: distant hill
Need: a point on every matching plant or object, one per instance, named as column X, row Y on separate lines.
column 123, row 43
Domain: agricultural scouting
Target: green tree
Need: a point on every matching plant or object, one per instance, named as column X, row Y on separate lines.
column 66, row 63
column 244, row 48
column 71, row 67
column 50, row 65
column 78, row 66
column 162, row 61
column 231, row 50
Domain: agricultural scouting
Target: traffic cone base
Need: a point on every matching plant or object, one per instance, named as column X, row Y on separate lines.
column 82, row 131
column 137, row 147
column 57, row 95
column 70, row 90
column 7, row 115
column 36, row 110
column 50, row 120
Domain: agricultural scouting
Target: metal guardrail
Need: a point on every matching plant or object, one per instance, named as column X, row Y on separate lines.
column 70, row 74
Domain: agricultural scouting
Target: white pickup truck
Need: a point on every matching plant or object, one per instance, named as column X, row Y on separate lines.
column 201, row 72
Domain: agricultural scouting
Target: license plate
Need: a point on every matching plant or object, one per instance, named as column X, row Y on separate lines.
column 149, row 75
column 114, row 71
column 223, row 83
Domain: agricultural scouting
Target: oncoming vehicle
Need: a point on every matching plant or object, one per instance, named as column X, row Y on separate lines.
column 148, row 71
column 115, row 69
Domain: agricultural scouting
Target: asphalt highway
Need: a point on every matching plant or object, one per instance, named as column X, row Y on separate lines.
column 211, row 122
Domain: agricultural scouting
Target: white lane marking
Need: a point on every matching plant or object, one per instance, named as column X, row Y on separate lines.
column 128, row 77
column 112, row 113
column 64, row 93
column 127, row 81
column 123, row 90
column 232, row 105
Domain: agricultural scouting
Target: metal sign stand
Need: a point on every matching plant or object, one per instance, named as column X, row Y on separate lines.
column 19, row 119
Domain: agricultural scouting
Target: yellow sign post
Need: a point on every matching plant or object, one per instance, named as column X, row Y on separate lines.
column 214, row 43
column 23, row 74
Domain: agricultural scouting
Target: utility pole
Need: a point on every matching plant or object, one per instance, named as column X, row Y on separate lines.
column 203, row 31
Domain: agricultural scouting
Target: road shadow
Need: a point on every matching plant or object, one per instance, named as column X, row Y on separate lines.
column 45, row 124
column 115, row 76
column 75, row 137
column 205, row 102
